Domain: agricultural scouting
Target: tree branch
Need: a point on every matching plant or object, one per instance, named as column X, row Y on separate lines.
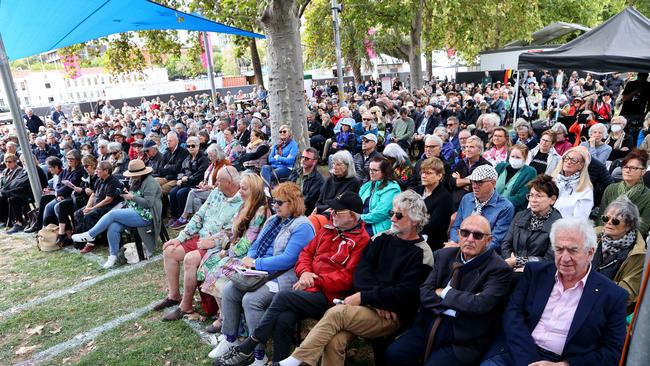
column 302, row 8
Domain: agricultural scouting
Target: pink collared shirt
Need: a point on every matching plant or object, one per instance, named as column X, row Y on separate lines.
column 553, row 327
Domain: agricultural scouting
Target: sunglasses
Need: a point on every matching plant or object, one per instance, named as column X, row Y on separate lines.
column 191, row 146
column 307, row 158
column 368, row 119
column 476, row 234
column 606, row 219
column 278, row 202
column 283, row 131
column 398, row 215
column 340, row 212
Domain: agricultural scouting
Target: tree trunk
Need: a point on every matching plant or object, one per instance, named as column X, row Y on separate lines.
column 255, row 60
column 356, row 71
column 428, row 57
column 286, row 103
column 415, row 51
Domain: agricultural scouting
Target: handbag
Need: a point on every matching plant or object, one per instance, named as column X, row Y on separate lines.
column 248, row 283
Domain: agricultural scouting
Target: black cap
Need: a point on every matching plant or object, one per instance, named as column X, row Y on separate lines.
column 346, row 201
column 148, row 144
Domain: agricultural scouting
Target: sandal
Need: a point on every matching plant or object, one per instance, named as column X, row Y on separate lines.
column 167, row 303
column 176, row 314
column 215, row 327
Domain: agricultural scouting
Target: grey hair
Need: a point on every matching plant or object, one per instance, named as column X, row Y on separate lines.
column 193, row 139
column 575, row 225
column 433, row 138
column 396, row 152
column 620, row 119
column 559, row 127
column 40, row 139
column 627, row 211
column 172, row 134
column 216, row 150
column 105, row 165
column 442, row 130
column 478, row 141
column 492, row 117
column 114, row 146
column 412, row 204
column 344, row 157
column 102, row 143
column 232, row 174
column 599, row 125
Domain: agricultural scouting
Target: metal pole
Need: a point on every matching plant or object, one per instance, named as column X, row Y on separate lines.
column 516, row 99
column 336, row 8
column 8, row 83
column 639, row 353
column 208, row 57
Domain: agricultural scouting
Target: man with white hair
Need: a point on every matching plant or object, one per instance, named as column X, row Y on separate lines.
column 33, row 121
column 563, row 313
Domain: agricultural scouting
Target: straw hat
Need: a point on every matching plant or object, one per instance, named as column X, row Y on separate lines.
column 137, row 168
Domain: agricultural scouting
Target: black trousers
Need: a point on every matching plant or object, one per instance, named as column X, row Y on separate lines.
column 64, row 211
column 84, row 222
column 280, row 319
column 12, row 209
column 45, row 199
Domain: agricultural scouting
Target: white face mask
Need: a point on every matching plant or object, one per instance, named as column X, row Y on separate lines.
column 616, row 128
column 516, row 163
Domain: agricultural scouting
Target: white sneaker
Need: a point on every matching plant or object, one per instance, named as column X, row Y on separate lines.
column 261, row 362
column 110, row 262
column 82, row 238
column 223, row 347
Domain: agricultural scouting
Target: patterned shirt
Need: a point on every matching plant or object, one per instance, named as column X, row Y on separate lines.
column 215, row 214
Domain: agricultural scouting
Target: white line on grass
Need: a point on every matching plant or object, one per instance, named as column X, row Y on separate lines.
column 78, row 287
column 199, row 329
column 85, row 337
column 91, row 256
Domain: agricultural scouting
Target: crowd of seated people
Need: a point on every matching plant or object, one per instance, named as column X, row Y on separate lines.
column 416, row 237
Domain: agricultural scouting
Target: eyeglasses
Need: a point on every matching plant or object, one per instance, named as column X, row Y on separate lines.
column 374, row 170
column 480, row 182
column 606, row 219
column 398, row 215
column 191, row 146
column 278, row 202
column 537, row 196
column 630, row 168
column 307, row 158
column 451, row 124
column 431, row 146
column 87, row 166
column 367, row 119
column 546, row 140
column 476, row 234
column 283, row 131
column 572, row 160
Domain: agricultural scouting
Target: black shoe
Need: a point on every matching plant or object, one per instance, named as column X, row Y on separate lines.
column 60, row 239
column 33, row 229
column 16, row 229
column 234, row 358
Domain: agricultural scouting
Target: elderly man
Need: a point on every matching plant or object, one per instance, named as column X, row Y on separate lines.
column 428, row 123
column 193, row 242
column 324, row 269
column 362, row 159
column 485, row 201
column 472, row 158
column 281, row 158
column 432, row 149
column 33, row 121
column 464, row 293
column 563, row 313
column 152, row 157
column 171, row 163
column 57, row 114
column 403, row 129
column 308, row 178
column 385, row 284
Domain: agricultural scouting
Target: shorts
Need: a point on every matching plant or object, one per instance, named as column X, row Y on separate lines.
column 191, row 244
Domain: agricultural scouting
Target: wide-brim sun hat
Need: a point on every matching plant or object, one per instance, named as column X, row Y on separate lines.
column 137, row 168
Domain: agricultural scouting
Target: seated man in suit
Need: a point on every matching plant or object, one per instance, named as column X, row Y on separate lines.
column 466, row 290
column 563, row 313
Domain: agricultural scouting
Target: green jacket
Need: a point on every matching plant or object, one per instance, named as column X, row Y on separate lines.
column 642, row 202
column 404, row 129
column 380, row 203
column 517, row 191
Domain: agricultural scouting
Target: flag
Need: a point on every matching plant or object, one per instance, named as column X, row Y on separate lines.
column 507, row 76
column 204, row 57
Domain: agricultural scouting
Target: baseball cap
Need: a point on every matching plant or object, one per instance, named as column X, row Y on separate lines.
column 370, row 136
column 149, row 144
column 346, row 201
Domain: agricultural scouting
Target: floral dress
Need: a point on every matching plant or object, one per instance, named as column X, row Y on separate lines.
column 214, row 270
column 232, row 150
column 145, row 213
column 403, row 175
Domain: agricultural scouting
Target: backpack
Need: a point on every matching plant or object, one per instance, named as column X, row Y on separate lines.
column 46, row 238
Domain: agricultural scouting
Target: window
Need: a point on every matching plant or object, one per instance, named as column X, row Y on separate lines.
column 81, row 81
column 67, row 82
column 23, row 85
column 50, row 99
column 70, row 96
column 48, row 86
column 85, row 95
column 78, row 96
column 27, row 100
column 95, row 81
column 102, row 80
column 2, row 102
column 75, row 83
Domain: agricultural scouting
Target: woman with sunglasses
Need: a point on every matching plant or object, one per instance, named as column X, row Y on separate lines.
column 281, row 158
column 527, row 239
column 576, row 193
column 192, row 171
column 118, row 159
column 633, row 167
column 620, row 254
column 276, row 249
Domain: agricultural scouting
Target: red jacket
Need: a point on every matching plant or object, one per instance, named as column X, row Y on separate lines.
column 333, row 258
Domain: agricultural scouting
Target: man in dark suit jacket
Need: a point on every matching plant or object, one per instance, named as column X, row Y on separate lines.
column 563, row 313
column 466, row 290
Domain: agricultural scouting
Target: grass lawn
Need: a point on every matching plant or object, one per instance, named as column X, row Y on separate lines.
column 27, row 274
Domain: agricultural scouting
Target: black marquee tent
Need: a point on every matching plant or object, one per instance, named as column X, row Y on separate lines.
column 622, row 43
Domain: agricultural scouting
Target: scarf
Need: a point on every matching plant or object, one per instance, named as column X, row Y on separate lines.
column 567, row 184
column 266, row 240
column 611, row 247
column 618, row 142
column 537, row 221
column 280, row 145
column 478, row 206
column 634, row 193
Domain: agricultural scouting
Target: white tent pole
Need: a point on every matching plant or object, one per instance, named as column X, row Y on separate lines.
column 208, row 58
column 19, row 125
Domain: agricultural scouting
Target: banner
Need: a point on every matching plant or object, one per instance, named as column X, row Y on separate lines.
column 204, row 57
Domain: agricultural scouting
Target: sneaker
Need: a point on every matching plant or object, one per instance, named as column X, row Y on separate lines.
column 88, row 248
column 32, row 229
column 110, row 262
column 15, row 229
column 177, row 224
column 222, row 348
column 83, row 238
column 261, row 362
column 234, row 357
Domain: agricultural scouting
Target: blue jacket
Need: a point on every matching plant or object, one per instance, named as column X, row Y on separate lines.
column 299, row 237
column 498, row 211
column 597, row 331
column 359, row 132
column 288, row 157
column 380, row 203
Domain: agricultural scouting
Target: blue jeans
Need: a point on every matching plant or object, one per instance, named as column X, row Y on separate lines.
column 177, row 199
column 114, row 222
column 280, row 173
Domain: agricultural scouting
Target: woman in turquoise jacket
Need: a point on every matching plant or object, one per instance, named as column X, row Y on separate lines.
column 377, row 195
column 514, row 176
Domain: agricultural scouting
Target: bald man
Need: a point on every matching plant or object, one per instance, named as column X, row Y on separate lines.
column 460, row 300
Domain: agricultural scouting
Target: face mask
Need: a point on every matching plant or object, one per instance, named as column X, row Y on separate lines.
column 516, row 163
column 616, row 128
